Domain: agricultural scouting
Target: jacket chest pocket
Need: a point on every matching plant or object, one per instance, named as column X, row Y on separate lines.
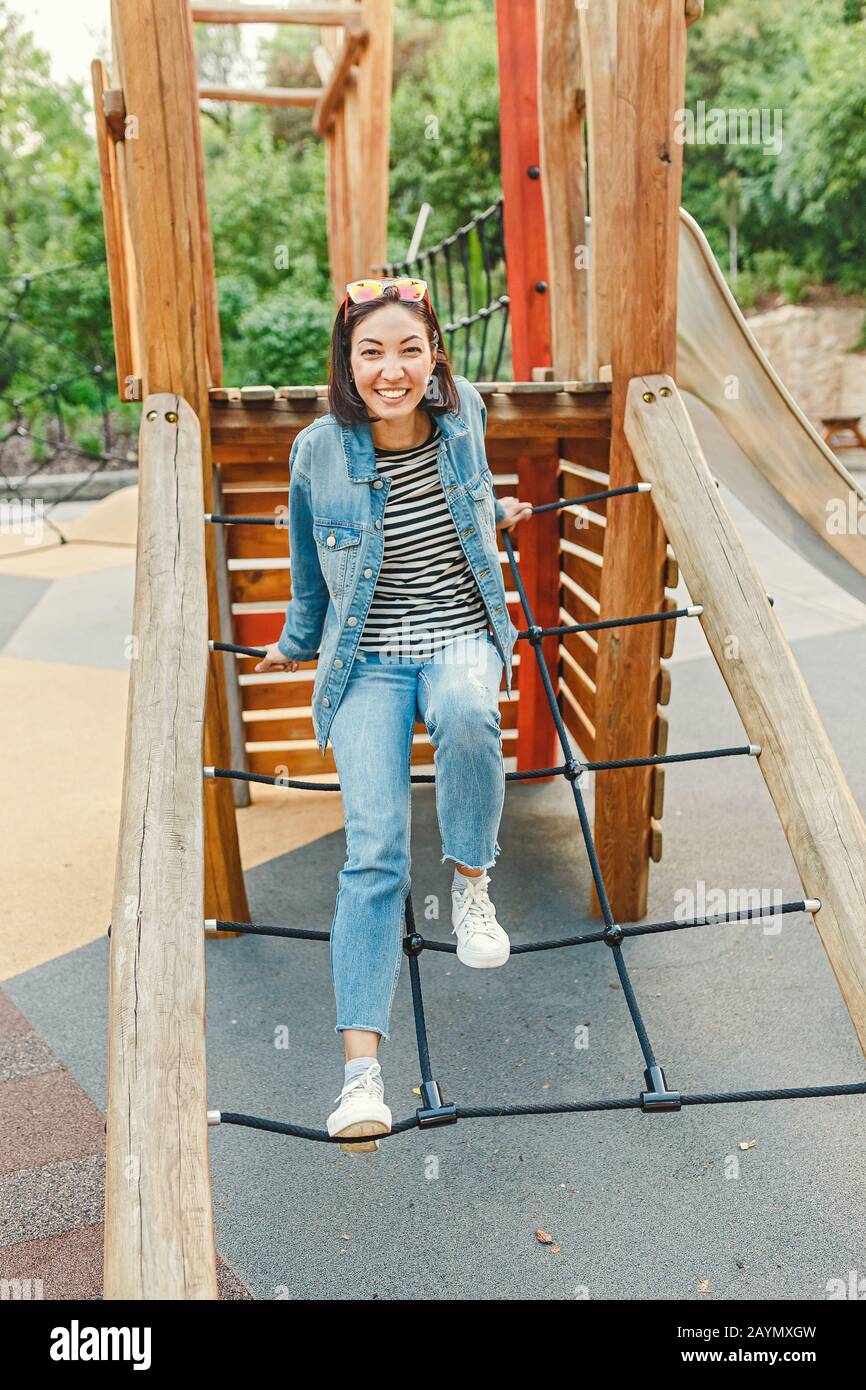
column 338, row 545
column 480, row 490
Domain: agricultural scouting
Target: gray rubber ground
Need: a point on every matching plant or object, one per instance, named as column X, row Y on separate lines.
column 640, row 1206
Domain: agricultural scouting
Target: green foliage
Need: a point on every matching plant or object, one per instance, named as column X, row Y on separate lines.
column 799, row 212
column 803, row 62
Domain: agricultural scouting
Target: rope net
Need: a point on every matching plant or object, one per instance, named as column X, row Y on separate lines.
column 434, row 1111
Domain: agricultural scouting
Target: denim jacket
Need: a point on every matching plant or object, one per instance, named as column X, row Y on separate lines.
column 337, row 504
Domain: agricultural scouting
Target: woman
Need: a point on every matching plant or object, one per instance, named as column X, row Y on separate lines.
column 397, row 589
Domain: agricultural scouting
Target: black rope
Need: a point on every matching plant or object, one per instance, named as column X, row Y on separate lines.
column 491, row 1112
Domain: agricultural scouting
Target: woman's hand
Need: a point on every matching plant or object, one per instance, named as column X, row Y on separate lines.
column 515, row 511
column 275, row 660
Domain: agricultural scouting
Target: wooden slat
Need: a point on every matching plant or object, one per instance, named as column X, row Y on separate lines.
column 576, row 721
column 263, row 96
column 662, row 729
column 657, row 801
column 668, row 630
column 579, row 569
column 821, row 820
column 318, row 15
column 664, row 686
column 331, row 95
column 159, row 1235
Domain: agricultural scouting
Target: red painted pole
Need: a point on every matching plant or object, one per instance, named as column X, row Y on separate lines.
column 526, row 266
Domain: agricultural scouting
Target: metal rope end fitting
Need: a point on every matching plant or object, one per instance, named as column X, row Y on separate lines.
column 210, row 642
column 434, row 1111
column 657, row 1096
column 755, row 750
column 812, row 904
column 644, row 487
column 214, row 1117
column 208, row 516
column 695, row 611
column 209, row 771
column 210, row 926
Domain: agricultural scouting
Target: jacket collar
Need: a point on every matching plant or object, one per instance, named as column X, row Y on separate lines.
column 360, row 452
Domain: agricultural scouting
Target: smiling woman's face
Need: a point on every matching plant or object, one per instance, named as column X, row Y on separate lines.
column 391, row 361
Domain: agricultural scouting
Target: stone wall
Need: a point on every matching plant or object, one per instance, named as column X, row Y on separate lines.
column 807, row 347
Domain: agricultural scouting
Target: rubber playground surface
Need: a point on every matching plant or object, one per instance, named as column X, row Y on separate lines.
column 727, row 1201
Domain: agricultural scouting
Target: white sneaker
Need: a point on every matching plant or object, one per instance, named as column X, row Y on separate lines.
column 481, row 942
column 361, row 1110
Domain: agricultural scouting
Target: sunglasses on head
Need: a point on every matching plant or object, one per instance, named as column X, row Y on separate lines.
column 361, row 291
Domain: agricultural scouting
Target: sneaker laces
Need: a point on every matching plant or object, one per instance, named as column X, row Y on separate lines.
column 368, row 1082
column 478, row 915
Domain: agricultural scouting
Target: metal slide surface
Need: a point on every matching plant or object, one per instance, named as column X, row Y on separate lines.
column 755, row 437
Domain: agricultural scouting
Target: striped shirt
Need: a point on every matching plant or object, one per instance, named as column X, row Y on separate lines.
column 426, row 593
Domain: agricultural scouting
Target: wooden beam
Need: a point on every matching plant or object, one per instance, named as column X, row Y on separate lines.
column 357, row 150
column 159, row 1235
column 333, row 92
column 597, row 25
column 346, row 15
column 267, row 426
column 211, row 306
column 153, row 45
column 561, row 108
column 263, row 96
column 646, row 174
column 822, row 823
column 108, row 112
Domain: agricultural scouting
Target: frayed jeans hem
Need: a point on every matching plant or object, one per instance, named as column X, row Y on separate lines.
column 363, row 1028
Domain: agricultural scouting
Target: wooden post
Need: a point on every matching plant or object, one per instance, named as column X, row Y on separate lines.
column 646, row 174
column 357, row 154
column 152, row 42
column 159, row 1236
column 526, row 265
column 598, row 56
column 561, row 108
column 823, row 825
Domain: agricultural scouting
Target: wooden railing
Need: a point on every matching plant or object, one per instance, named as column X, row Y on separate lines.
column 821, row 820
column 159, row 1237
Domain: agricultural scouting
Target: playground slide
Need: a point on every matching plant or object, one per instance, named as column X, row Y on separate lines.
column 760, row 444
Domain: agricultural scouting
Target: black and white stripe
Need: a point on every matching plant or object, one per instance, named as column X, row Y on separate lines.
column 426, row 593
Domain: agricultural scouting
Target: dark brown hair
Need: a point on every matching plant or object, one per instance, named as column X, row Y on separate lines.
column 344, row 401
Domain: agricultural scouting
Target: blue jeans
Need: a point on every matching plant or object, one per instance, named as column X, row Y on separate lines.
column 456, row 693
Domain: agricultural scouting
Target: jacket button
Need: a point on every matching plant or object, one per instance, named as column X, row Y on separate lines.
column 367, row 573
column 326, row 701
column 378, row 525
column 353, row 622
column 337, row 661
column 378, row 482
